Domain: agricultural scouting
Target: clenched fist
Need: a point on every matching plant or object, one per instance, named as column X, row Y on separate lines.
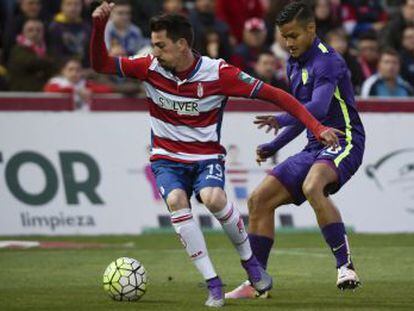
column 103, row 11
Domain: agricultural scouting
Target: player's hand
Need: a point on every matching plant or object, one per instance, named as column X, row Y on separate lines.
column 264, row 151
column 269, row 121
column 329, row 137
column 259, row 160
column 103, row 11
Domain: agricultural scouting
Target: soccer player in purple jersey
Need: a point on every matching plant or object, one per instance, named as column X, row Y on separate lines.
column 320, row 80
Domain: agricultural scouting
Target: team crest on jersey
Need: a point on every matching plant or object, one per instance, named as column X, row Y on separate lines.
column 305, row 76
column 200, row 90
column 246, row 78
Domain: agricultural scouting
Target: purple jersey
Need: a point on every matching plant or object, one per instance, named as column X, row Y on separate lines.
column 320, row 80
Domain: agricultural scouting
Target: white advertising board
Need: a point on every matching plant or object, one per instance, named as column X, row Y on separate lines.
column 87, row 173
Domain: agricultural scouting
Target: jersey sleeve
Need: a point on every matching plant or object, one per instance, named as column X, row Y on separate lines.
column 235, row 82
column 134, row 67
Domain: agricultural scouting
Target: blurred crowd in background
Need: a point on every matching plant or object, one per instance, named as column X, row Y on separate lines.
column 44, row 43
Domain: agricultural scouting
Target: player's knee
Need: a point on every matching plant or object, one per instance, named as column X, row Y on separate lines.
column 214, row 200
column 255, row 204
column 312, row 190
column 177, row 201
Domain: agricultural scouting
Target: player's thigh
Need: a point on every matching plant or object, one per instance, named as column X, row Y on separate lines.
column 292, row 172
column 174, row 183
column 320, row 178
column 209, row 182
column 268, row 195
column 343, row 163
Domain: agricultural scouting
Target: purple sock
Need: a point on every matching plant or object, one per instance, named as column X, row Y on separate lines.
column 261, row 247
column 335, row 236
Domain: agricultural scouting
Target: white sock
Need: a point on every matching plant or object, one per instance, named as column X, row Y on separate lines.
column 232, row 223
column 193, row 241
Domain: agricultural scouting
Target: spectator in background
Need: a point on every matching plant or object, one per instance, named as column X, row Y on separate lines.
column 358, row 16
column 407, row 55
column 142, row 11
column 275, row 6
column 210, row 44
column 50, row 8
column 126, row 86
column 29, row 67
column 27, row 9
column 4, row 86
column 211, row 35
column 391, row 35
column 68, row 33
column 368, row 53
column 71, row 81
column 338, row 40
column 121, row 31
column 235, row 13
column 265, row 70
column 246, row 53
column 279, row 49
column 173, row 7
column 387, row 82
column 325, row 18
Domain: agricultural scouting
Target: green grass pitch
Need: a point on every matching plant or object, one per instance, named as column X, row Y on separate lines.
column 302, row 266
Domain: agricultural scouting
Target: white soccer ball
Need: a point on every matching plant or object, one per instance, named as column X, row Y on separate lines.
column 125, row 279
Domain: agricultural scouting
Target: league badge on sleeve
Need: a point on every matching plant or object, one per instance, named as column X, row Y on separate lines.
column 246, row 78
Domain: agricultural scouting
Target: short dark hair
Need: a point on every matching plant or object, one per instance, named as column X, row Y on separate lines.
column 266, row 52
column 297, row 10
column 176, row 25
column 62, row 63
column 390, row 51
column 370, row 35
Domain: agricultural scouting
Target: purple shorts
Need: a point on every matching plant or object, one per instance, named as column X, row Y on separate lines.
column 345, row 161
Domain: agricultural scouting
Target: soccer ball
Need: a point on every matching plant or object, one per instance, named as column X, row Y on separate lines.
column 125, row 279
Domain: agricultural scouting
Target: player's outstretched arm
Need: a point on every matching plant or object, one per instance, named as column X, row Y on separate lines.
column 98, row 54
column 235, row 82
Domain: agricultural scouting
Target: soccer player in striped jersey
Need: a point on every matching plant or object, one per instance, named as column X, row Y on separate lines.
column 320, row 79
column 186, row 94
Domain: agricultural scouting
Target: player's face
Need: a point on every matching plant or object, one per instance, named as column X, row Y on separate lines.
column 298, row 37
column 165, row 50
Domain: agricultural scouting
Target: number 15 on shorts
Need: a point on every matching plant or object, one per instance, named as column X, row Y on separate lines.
column 215, row 171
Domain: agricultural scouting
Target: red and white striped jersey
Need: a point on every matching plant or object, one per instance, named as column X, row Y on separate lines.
column 186, row 115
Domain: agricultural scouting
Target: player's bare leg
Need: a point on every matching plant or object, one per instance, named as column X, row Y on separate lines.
column 230, row 219
column 329, row 219
column 193, row 241
column 262, row 204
